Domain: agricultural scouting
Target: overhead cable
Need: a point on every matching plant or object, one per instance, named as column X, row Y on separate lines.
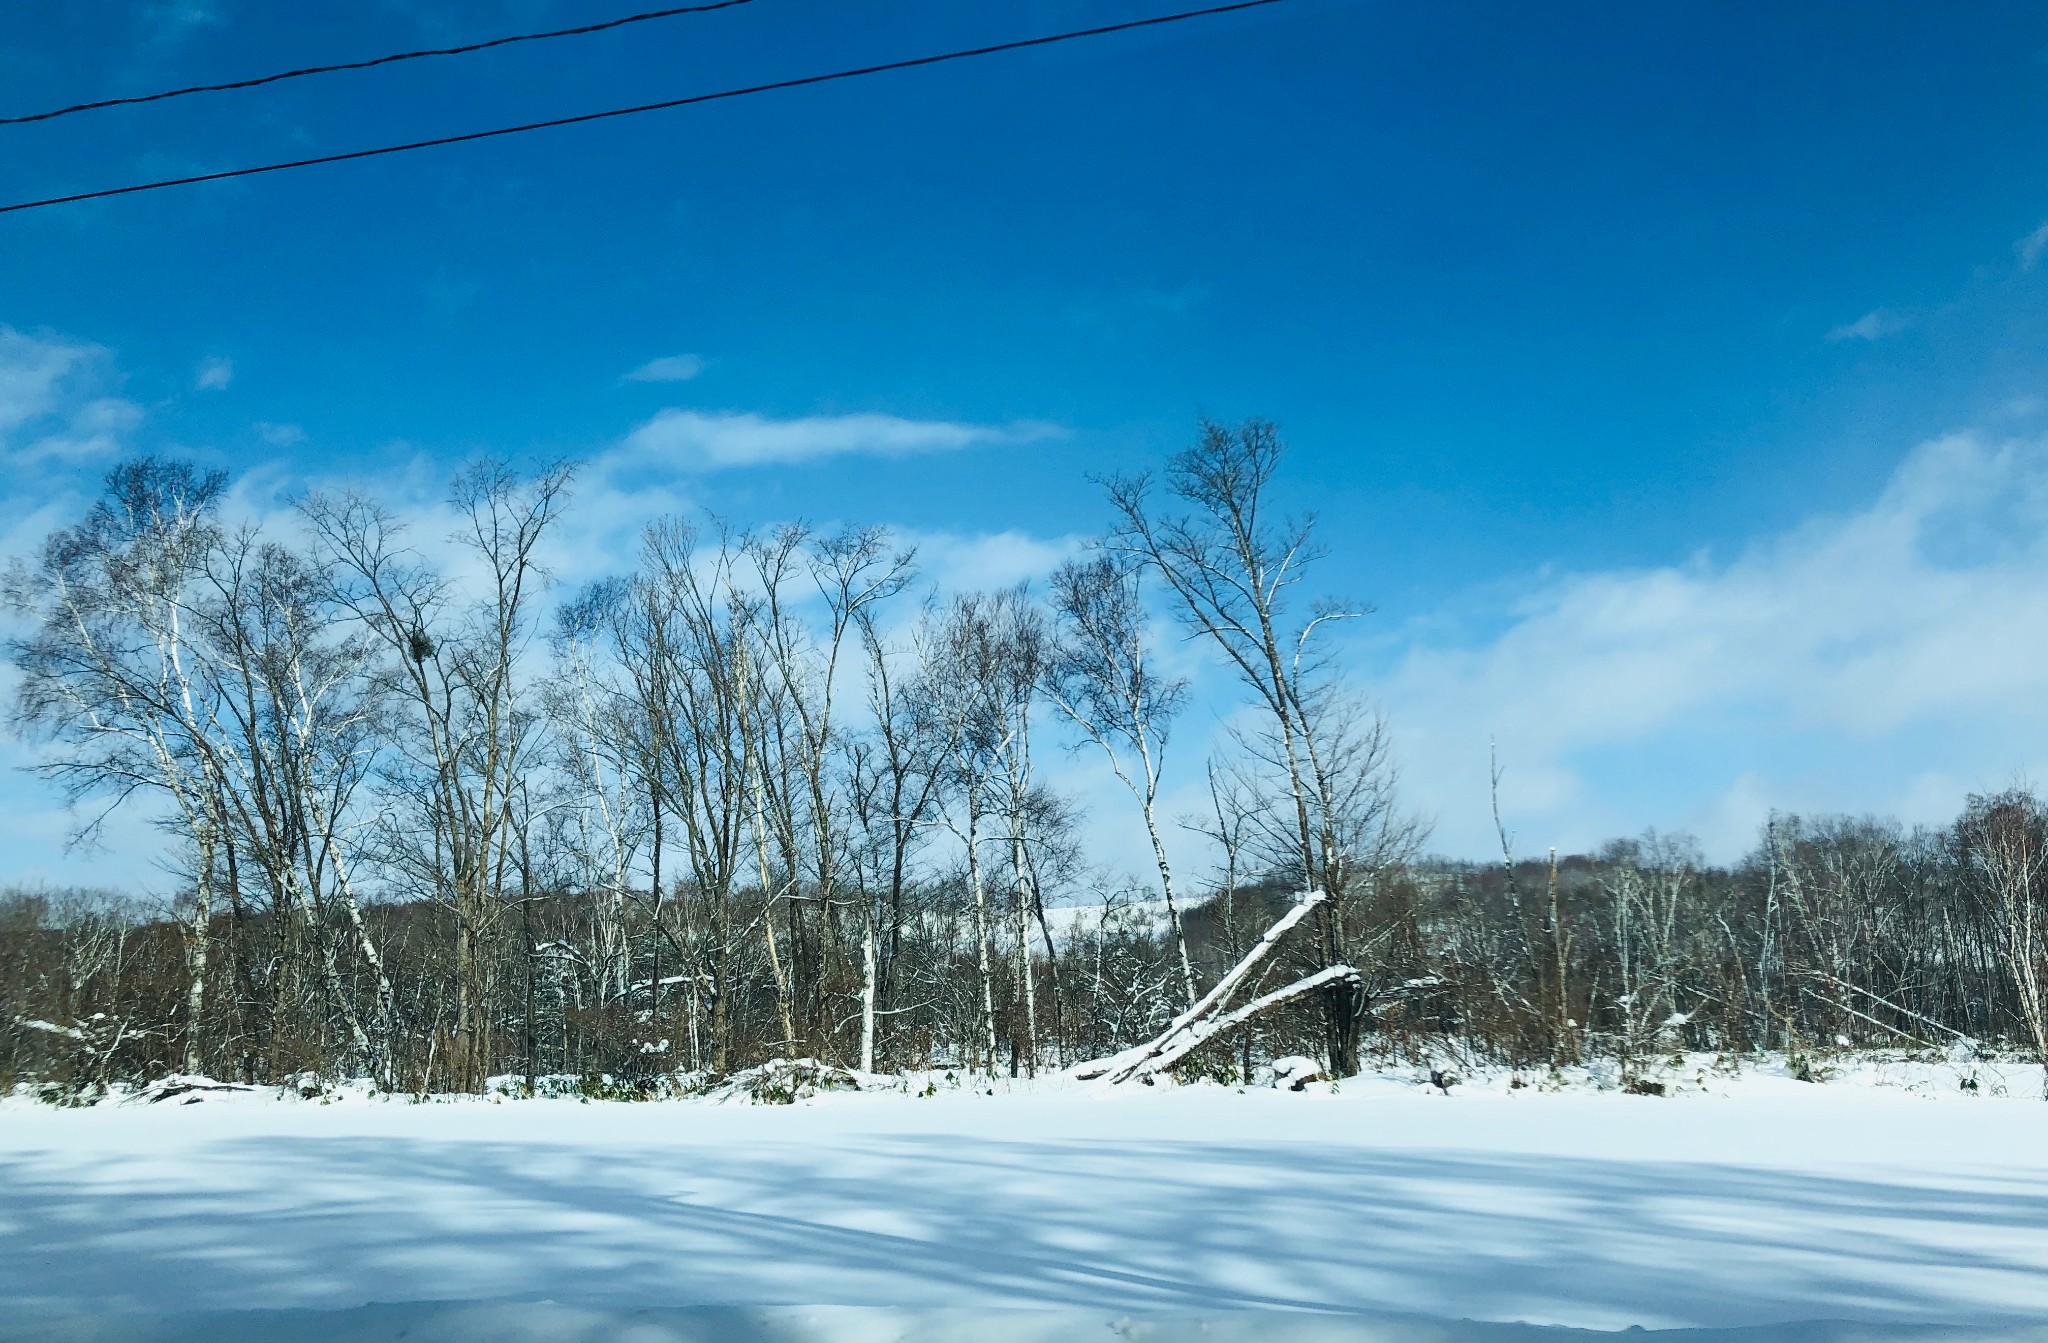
column 463, row 50
column 774, row 86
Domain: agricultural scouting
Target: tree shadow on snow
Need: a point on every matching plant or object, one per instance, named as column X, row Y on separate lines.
column 941, row 1220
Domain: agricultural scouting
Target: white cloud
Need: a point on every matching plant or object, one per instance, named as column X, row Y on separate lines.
column 966, row 562
column 280, row 435
column 215, row 373
column 2031, row 248
column 669, row 368
column 691, row 440
column 96, row 429
column 1842, row 666
column 52, row 404
column 30, row 372
column 1873, row 325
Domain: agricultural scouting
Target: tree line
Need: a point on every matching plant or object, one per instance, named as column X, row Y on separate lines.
column 429, row 820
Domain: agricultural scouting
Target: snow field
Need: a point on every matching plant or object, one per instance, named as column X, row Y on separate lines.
column 1378, row 1211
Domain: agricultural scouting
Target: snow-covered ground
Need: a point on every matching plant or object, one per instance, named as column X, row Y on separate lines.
column 1736, row 1201
column 1066, row 921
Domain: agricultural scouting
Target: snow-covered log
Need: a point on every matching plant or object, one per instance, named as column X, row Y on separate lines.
column 1206, row 1018
column 51, row 1027
column 786, row 1081
column 1291, row 1073
column 190, row 1086
column 1201, row 1032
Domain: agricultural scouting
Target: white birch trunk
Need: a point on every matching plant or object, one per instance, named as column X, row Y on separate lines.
column 982, row 950
column 1026, row 981
column 868, row 988
column 1180, row 937
column 195, row 995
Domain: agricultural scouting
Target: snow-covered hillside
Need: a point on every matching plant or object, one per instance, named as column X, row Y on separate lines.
column 1758, row 1200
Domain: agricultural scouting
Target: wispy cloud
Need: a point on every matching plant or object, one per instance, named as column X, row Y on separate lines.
column 280, row 435
column 2031, row 248
column 1882, row 660
column 668, row 368
column 30, row 371
column 215, row 373
column 168, row 21
column 52, row 403
column 967, row 561
column 692, row 440
column 94, row 430
column 1873, row 325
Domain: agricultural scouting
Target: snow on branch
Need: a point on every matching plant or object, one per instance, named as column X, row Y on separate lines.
column 68, row 1032
column 1207, row 1018
column 1201, row 1032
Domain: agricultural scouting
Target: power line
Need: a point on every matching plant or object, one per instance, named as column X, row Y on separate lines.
column 908, row 64
column 374, row 61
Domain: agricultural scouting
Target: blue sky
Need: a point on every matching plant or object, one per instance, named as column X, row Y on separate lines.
column 1671, row 378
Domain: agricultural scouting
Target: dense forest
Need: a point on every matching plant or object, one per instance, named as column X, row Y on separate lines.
column 434, row 820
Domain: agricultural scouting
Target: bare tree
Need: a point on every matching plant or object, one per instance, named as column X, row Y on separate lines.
column 603, row 759
column 696, row 656
column 457, row 661
column 1653, row 884
column 1101, row 677
column 299, row 713
column 1229, row 567
column 895, row 772
column 107, row 677
column 2005, row 842
column 982, row 654
column 851, row 573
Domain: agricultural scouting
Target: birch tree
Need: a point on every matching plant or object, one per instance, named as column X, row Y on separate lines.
column 298, row 714
column 695, row 659
column 973, row 651
column 602, row 750
column 456, row 657
column 895, row 772
column 850, row 574
column 2004, row 839
column 1229, row 565
column 107, row 678
column 1100, row 674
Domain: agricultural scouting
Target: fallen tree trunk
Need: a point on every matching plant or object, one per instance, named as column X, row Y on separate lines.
column 1206, row 1018
column 1200, row 1033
